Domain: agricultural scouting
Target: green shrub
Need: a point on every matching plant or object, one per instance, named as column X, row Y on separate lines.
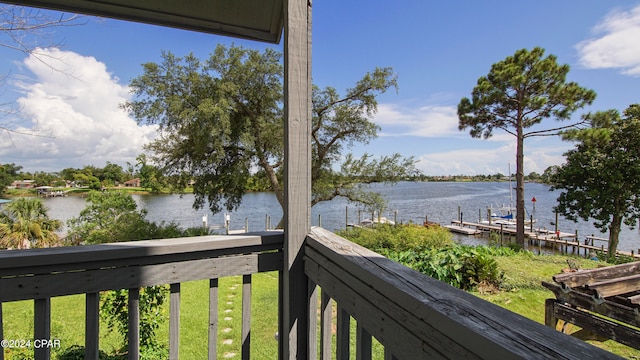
column 464, row 267
column 399, row 238
column 114, row 310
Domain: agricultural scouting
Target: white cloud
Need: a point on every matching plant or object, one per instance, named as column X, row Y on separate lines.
column 425, row 121
column 477, row 160
column 615, row 44
column 73, row 103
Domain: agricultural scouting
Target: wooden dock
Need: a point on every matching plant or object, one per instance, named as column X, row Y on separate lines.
column 562, row 241
column 463, row 230
column 536, row 233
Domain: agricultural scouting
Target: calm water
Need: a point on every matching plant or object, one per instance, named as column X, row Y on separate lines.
column 439, row 201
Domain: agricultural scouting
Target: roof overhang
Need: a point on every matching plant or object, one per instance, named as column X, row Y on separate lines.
column 260, row 20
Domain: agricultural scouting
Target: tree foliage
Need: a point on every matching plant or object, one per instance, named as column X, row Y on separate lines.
column 601, row 177
column 8, row 173
column 109, row 216
column 517, row 94
column 24, row 223
column 221, row 120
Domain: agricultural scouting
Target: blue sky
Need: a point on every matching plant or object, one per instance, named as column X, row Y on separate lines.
column 437, row 49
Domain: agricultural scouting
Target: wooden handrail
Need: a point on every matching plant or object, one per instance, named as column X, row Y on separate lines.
column 415, row 316
column 41, row 274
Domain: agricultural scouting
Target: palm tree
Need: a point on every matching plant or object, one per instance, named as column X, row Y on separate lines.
column 24, row 223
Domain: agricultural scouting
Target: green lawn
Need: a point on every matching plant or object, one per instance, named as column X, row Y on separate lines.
column 67, row 320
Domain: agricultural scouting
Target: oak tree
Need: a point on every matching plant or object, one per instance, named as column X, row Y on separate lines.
column 221, row 121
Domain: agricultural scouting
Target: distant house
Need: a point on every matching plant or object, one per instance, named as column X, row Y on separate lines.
column 23, row 184
column 132, row 183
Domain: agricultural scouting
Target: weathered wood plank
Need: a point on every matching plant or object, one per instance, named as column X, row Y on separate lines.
column 610, row 309
column 363, row 343
column 584, row 277
column 439, row 311
column 388, row 328
column 343, row 326
column 617, row 286
column 213, row 318
column 133, row 336
column 246, row 317
column 79, row 282
column 174, row 321
column 42, row 326
column 550, row 319
column 32, row 261
column 388, row 355
column 326, row 310
column 313, row 320
column 1, row 333
column 92, row 326
column 609, row 329
column 297, row 172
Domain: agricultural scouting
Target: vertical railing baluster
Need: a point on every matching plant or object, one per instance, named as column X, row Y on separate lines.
column 313, row 321
column 325, row 325
column 246, row 316
column 174, row 321
column 213, row 318
column 133, row 337
column 281, row 330
column 42, row 326
column 92, row 326
column 388, row 355
column 363, row 343
column 1, row 333
column 342, row 337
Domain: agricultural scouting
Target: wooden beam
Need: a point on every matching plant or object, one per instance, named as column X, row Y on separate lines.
column 133, row 335
column 42, row 326
column 418, row 317
column 585, row 277
column 213, row 318
column 611, row 287
column 92, row 326
column 246, row 317
column 174, row 321
column 611, row 330
column 78, row 282
column 297, row 184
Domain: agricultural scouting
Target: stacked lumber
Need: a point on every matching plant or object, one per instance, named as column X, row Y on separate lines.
column 604, row 301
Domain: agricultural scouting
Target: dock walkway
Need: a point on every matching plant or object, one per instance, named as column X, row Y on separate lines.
column 560, row 239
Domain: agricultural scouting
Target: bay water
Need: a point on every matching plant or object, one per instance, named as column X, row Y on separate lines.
column 439, row 202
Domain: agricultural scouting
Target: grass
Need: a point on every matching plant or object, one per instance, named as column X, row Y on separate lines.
column 522, row 293
column 67, row 320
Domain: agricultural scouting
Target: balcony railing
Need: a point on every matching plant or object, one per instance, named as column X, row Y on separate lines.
column 412, row 315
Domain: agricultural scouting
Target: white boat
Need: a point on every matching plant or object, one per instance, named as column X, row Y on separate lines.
column 375, row 221
column 507, row 215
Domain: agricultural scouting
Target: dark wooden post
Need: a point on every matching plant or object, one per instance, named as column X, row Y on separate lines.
column 297, row 212
column 42, row 326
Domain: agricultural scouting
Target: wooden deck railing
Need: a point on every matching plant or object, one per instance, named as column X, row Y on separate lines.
column 412, row 315
column 41, row 274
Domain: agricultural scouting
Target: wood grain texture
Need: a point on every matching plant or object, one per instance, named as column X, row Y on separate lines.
column 130, row 276
column 297, row 176
column 396, row 304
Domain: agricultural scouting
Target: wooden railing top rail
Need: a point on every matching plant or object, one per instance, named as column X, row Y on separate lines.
column 417, row 316
column 16, row 262
column 43, row 273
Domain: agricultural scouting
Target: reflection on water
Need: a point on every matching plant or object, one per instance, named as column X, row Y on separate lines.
column 407, row 201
